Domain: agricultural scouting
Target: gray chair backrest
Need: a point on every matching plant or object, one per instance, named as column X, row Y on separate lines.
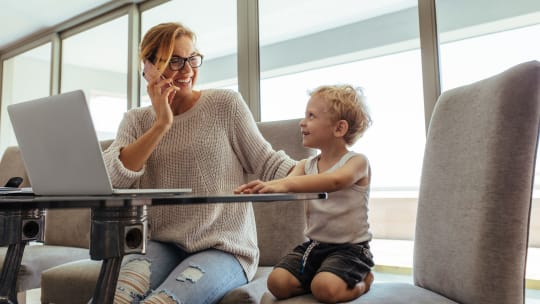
column 476, row 189
column 12, row 165
column 280, row 225
column 70, row 227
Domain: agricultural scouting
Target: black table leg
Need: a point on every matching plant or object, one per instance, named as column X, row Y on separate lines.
column 106, row 285
column 115, row 232
column 10, row 270
column 18, row 228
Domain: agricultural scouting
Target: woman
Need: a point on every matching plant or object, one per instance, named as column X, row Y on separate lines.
column 205, row 140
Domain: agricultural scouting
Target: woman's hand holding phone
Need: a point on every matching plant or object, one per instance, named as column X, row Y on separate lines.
column 150, row 72
column 161, row 92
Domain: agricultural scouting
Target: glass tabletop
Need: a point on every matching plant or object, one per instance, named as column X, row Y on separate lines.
column 8, row 202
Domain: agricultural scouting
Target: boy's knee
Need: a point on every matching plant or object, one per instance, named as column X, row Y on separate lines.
column 328, row 288
column 276, row 287
column 282, row 284
column 324, row 292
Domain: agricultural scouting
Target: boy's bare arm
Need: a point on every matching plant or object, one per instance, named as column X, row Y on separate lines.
column 352, row 172
column 249, row 187
column 298, row 169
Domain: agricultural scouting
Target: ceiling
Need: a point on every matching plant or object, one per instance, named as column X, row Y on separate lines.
column 279, row 21
column 20, row 19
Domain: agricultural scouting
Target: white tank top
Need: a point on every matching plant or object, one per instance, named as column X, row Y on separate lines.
column 343, row 217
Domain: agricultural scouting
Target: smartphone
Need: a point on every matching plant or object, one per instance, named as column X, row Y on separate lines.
column 150, row 72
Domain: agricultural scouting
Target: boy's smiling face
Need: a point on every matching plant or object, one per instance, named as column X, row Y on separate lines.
column 318, row 124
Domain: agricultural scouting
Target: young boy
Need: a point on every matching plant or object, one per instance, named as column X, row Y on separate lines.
column 335, row 264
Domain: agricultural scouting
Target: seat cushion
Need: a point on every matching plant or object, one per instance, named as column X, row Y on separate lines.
column 70, row 283
column 38, row 258
column 75, row 282
column 380, row 293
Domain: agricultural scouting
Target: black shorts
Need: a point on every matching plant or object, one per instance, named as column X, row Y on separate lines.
column 350, row 262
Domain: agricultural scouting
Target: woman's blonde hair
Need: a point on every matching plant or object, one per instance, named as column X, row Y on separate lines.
column 346, row 103
column 158, row 43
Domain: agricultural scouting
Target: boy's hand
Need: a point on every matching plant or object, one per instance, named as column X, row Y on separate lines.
column 247, row 188
column 258, row 186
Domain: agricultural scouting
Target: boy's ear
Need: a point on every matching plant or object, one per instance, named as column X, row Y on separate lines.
column 341, row 128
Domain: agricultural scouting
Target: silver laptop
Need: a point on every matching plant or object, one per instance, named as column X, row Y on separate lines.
column 60, row 148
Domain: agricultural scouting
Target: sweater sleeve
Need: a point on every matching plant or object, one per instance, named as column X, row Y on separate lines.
column 120, row 176
column 254, row 152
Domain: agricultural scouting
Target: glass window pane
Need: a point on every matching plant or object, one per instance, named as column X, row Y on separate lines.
column 483, row 42
column 215, row 27
column 376, row 48
column 25, row 77
column 96, row 62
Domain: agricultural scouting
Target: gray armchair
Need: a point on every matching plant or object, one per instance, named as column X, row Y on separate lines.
column 475, row 196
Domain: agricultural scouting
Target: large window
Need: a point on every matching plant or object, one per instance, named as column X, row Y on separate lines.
column 484, row 42
column 96, row 62
column 471, row 50
column 214, row 23
column 304, row 44
column 25, row 77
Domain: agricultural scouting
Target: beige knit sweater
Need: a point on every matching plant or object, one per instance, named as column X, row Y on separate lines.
column 210, row 148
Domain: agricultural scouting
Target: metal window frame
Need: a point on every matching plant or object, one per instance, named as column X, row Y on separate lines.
column 248, row 48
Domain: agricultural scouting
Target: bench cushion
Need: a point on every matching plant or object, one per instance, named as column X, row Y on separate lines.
column 386, row 293
column 37, row 258
column 70, row 283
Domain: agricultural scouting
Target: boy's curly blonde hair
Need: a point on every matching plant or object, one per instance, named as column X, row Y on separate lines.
column 346, row 103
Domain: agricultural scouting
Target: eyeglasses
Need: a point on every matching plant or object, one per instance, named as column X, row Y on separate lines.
column 177, row 63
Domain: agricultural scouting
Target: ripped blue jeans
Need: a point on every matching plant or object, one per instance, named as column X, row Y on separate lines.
column 168, row 274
